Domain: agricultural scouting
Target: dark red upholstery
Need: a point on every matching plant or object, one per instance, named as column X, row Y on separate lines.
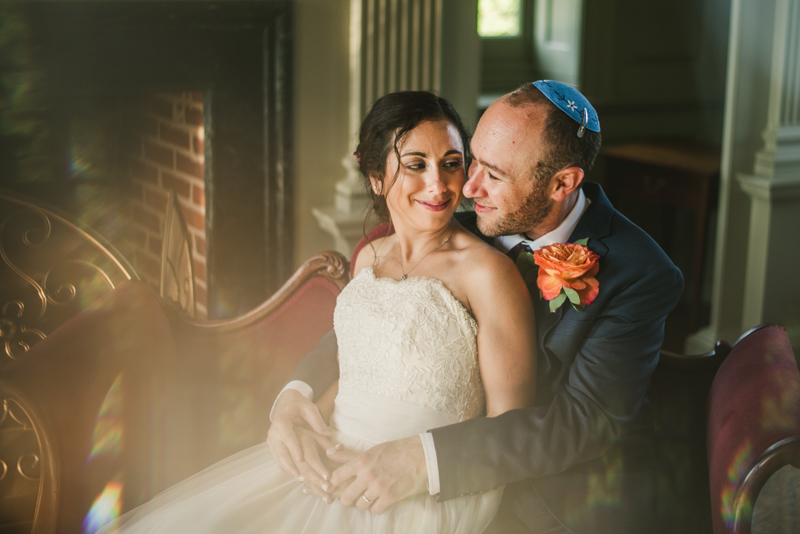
column 231, row 376
column 68, row 374
column 190, row 393
column 754, row 403
column 381, row 230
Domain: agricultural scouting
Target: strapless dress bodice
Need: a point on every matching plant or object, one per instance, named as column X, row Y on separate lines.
column 409, row 341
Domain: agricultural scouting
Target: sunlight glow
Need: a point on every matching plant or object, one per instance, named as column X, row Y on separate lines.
column 105, row 508
column 108, row 428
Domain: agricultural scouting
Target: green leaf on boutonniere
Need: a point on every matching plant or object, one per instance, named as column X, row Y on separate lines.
column 578, row 307
column 556, row 302
column 527, row 268
column 525, row 262
column 572, row 295
column 584, row 242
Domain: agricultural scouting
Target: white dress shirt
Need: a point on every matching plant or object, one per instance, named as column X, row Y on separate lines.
column 504, row 244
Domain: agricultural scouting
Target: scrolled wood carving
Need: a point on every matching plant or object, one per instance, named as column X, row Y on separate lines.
column 331, row 266
column 50, row 268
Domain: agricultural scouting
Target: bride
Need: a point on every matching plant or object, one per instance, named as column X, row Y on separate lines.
column 436, row 327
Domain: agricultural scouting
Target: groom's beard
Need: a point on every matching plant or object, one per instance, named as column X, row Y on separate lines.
column 533, row 211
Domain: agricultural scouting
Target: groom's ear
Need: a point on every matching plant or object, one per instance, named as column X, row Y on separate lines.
column 565, row 182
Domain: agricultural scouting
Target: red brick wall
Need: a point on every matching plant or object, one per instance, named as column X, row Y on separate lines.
column 166, row 152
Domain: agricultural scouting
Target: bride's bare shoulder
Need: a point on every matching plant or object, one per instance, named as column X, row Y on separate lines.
column 481, row 255
column 484, row 268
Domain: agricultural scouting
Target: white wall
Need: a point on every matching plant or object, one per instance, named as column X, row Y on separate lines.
column 321, row 136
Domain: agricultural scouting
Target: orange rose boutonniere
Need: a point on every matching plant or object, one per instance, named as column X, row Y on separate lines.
column 567, row 272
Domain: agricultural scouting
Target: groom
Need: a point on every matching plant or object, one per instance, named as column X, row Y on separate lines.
column 579, row 459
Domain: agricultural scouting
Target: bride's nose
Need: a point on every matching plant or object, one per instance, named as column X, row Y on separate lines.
column 434, row 182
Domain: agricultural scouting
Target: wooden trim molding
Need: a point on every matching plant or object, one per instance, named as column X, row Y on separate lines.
column 783, row 453
column 710, row 360
column 330, row 266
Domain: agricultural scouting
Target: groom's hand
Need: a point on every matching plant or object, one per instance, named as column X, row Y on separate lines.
column 293, row 410
column 385, row 474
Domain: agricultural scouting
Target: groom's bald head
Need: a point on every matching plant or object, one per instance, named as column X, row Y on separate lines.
column 560, row 145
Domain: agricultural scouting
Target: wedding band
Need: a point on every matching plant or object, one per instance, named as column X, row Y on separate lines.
column 305, row 483
column 364, row 496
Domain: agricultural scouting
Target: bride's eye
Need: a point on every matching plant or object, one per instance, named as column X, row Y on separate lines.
column 416, row 166
column 453, row 164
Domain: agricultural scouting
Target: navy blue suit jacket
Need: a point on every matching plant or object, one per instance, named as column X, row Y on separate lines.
column 585, row 446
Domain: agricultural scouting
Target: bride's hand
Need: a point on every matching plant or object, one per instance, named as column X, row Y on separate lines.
column 293, row 411
column 381, row 476
column 314, row 472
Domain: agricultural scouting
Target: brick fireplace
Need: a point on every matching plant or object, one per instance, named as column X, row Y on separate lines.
column 124, row 101
column 166, row 152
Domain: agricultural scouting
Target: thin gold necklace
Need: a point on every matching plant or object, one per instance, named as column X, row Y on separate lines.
column 446, row 239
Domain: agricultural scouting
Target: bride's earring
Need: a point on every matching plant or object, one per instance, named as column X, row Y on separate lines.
column 377, row 187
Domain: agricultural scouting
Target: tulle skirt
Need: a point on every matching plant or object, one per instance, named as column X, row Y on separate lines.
column 248, row 493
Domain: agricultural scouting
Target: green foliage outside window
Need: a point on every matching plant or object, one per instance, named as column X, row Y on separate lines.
column 499, row 18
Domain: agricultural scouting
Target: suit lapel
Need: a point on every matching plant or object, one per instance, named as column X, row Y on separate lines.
column 594, row 224
column 596, row 221
column 545, row 319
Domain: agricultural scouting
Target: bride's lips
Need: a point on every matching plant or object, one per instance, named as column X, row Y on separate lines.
column 434, row 205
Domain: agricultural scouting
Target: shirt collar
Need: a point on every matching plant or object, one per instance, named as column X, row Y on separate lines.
column 561, row 234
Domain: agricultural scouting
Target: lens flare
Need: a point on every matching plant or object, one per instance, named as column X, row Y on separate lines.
column 606, row 489
column 741, row 462
column 108, row 428
column 104, row 509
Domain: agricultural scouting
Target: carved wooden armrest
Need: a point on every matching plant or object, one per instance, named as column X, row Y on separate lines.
column 330, row 266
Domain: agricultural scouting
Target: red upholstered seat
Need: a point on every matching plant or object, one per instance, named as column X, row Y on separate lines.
column 118, row 345
column 131, row 395
column 233, row 370
column 753, row 424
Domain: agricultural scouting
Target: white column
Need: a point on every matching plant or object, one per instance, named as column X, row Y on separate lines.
column 396, row 45
column 759, row 204
column 772, row 286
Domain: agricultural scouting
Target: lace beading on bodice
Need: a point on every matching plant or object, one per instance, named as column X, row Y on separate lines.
column 409, row 341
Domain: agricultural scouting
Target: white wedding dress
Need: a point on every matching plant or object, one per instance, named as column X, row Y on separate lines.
column 408, row 362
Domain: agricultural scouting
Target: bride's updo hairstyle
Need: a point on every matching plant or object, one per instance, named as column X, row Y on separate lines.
column 392, row 117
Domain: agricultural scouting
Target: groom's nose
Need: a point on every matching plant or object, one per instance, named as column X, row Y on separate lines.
column 473, row 186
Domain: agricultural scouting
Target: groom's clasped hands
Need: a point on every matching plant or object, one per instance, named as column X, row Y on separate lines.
column 373, row 480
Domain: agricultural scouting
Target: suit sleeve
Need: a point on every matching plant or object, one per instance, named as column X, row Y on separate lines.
column 319, row 368
column 606, row 386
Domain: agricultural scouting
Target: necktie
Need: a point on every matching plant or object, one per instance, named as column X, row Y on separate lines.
column 518, row 249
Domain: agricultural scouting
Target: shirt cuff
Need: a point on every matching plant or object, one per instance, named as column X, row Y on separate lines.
column 299, row 386
column 432, row 463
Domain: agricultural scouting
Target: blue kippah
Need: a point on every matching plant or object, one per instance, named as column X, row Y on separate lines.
column 571, row 102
